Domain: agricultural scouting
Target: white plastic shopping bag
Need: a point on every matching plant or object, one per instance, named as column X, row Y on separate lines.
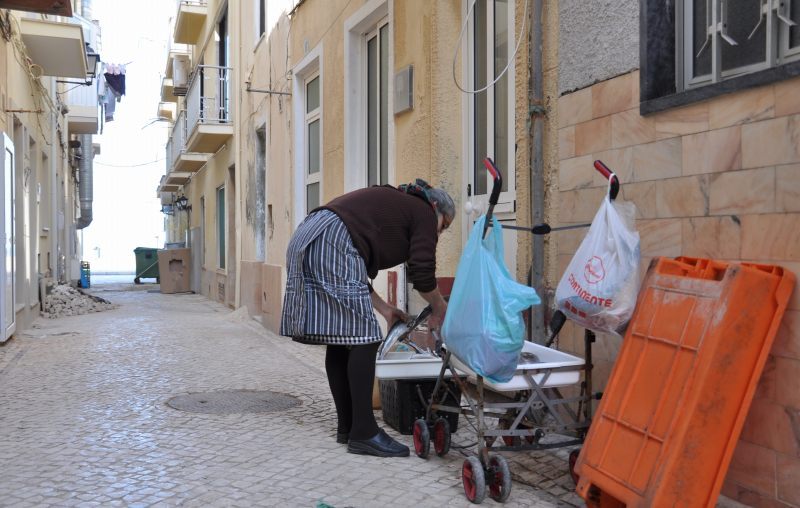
column 599, row 288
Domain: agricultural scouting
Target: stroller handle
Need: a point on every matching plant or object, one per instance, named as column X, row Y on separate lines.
column 603, row 170
column 497, row 186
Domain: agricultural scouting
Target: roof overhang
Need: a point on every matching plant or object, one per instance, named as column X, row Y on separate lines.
column 174, row 178
column 167, row 91
column 166, row 111
column 54, row 7
column 190, row 21
column 209, row 138
column 57, row 48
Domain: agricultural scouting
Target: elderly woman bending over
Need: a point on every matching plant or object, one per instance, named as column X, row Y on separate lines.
column 330, row 259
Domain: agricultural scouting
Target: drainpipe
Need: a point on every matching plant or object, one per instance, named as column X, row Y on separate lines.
column 536, row 112
column 85, row 180
column 52, row 234
column 85, row 166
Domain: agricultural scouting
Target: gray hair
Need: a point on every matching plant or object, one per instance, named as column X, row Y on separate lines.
column 444, row 203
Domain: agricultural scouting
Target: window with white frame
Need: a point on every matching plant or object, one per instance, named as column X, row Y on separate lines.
column 491, row 118
column 721, row 39
column 313, row 141
column 377, row 110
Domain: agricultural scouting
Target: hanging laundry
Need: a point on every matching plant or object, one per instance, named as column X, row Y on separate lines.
column 109, row 105
column 115, row 77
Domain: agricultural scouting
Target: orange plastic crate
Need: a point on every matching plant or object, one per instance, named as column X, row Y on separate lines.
column 680, row 390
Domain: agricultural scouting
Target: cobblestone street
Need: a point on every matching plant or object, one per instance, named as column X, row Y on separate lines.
column 85, row 420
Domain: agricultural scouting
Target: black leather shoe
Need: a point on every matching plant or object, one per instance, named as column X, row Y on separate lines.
column 381, row 445
column 342, row 437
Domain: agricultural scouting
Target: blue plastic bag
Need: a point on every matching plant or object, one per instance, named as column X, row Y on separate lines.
column 483, row 326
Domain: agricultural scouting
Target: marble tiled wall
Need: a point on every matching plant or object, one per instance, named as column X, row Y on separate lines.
column 716, row 179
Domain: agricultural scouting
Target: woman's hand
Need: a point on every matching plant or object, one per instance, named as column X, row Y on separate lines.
column 392, row 315
column 389, row 312
column 436, row 319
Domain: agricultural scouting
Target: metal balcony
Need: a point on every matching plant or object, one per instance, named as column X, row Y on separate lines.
column 181, row 163
column 208, row 115
column 83, row 101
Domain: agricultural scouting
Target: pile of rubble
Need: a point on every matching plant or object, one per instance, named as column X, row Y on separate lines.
column 65, row 300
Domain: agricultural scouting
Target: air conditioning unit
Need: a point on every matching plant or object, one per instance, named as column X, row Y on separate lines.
column 181, row 69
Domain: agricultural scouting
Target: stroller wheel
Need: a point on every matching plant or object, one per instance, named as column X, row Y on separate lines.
column 536, row 437
column 441, row 436
column 505, row 424
column 499, row 478
column 473, row 479
column 573, row 458
column 422, row 438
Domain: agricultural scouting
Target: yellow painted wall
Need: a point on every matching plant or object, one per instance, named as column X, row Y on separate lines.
column 309, row 30
column 40, row 151
column 215, row 173
column 429, row 137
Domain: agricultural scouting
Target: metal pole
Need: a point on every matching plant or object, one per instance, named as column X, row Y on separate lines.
column 536, row 112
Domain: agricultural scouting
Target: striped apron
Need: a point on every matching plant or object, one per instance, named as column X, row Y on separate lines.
column 327, row 299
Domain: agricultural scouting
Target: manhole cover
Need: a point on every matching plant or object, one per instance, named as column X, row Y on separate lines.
column 233, row 402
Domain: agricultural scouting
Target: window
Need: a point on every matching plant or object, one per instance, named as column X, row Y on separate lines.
column 313, row 141
column 377, row 85
column 368, row 104
column 261, row 16
column 490, row 115
column 221, row 226
column 307, row 133
column 693, row 50
column 202, row 229
column 222, row 74
column 726, row 38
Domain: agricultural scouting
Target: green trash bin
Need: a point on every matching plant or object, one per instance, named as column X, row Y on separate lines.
column 146, row 264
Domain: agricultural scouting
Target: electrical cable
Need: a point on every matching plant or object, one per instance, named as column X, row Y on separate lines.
column 127, row 165
column 511, row 59
column 34, row 72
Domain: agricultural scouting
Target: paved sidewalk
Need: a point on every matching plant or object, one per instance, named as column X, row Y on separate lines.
column 84, row 420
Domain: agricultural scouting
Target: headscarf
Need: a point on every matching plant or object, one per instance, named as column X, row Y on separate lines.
column 418, row 188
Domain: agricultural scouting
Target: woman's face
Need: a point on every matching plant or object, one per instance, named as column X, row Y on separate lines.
column 443, row 223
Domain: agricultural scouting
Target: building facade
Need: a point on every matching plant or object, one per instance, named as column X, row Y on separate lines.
column 321, row 97
column 48, row 62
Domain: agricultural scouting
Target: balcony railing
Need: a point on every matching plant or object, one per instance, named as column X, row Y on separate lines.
column 208, row 96
column 177, row 140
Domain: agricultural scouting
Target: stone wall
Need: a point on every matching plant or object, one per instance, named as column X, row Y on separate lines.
column 597, row 40
column 716, row 179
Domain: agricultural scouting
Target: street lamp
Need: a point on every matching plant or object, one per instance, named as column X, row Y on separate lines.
column 92, row 60
column 182, row 203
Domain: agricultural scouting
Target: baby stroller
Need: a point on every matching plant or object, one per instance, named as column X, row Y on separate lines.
column 526, row 408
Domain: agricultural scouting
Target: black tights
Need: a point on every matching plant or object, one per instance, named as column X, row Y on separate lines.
column 351, row 374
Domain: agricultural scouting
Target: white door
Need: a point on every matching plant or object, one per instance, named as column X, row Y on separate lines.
column 7, row 242
column 491, row 113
